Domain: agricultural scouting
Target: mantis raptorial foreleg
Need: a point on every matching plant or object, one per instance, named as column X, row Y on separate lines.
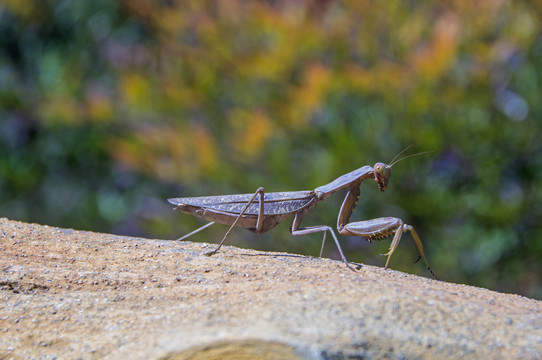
column 376, row 228
column 380, row 228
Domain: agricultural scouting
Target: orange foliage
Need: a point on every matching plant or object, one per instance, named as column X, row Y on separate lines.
column 235, row 75
column 168, row 152
column 435, row 59
column 251, row 131
column 305, row 99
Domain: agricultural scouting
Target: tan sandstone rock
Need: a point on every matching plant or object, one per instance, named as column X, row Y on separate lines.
column 76, row 294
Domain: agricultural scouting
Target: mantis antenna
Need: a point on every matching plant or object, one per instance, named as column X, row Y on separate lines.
column 400, row 152
column 393, row 162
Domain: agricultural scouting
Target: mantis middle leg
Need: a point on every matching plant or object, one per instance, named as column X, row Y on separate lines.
column 295, row 230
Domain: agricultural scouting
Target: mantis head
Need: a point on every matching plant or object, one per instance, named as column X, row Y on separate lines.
column 382, row 175
column 383, row 171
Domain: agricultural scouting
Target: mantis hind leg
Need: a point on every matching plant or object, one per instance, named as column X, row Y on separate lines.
column 260, row 192
column 195, row 231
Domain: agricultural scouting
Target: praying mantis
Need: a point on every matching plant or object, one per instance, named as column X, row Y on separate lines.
column 260, row 212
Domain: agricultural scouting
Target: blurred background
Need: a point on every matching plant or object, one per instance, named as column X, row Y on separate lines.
column 107, row 108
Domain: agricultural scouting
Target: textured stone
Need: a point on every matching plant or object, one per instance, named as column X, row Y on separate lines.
column 69, row 294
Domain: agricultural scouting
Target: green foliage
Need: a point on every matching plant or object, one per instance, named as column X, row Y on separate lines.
column 107, row 108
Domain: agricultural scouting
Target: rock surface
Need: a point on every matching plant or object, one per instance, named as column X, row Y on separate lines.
column 76, row 294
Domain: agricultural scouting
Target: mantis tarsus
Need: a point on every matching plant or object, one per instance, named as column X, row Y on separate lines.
column 260, row 212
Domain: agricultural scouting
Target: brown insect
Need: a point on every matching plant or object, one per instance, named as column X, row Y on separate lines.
column 261, row 212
